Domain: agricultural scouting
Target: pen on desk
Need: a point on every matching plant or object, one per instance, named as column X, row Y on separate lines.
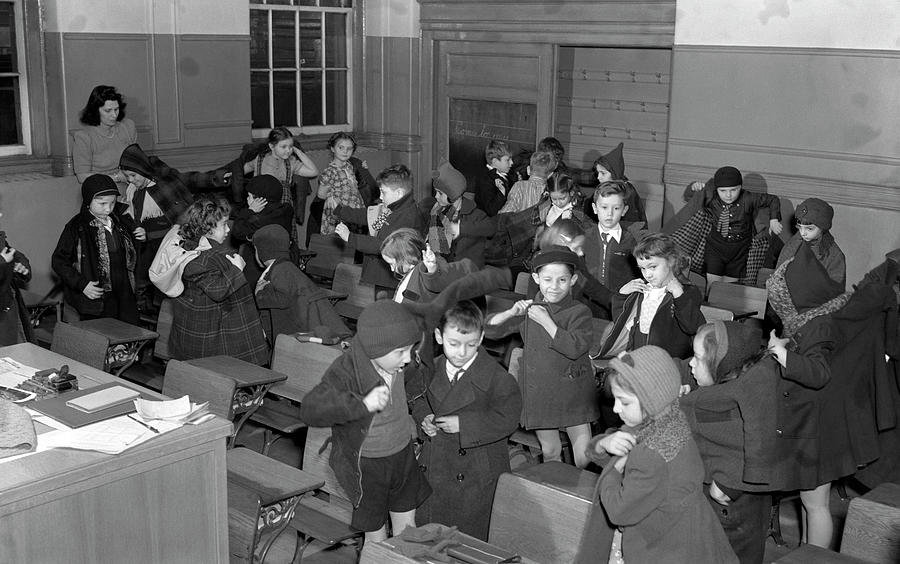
column 147, row 425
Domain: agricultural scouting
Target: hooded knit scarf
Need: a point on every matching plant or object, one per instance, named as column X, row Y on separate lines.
column 667, row 433
column 783, row 303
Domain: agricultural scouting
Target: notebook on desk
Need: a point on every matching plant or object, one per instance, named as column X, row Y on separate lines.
column 104, row 400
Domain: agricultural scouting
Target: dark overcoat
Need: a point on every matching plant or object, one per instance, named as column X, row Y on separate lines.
column 463, row 467
column 216, row 314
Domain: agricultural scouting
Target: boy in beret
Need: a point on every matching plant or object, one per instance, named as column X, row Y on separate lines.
column 362, row 397
column 813, row 217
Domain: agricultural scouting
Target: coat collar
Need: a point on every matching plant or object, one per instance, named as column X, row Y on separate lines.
column 476, row 380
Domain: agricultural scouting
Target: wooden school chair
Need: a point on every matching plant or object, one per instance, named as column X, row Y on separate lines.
column 541, row 513
column 263, row 493
column 745, row 301
column 80, row 344
column 359, row 294
column 324, row 517
column 303, row 364
column 330, row 251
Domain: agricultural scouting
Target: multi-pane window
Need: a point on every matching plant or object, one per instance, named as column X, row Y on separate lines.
column 14, row 126
column 300, row 64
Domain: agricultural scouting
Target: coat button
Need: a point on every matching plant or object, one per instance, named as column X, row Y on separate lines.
column 460, row 477
column 779, row 432
column 462, row 452
column 786, row 394
column 423, row 467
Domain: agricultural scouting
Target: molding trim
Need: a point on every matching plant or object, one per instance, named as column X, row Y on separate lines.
column 213, row 37
column 217, row 124
column 777, row 50
column 844, row 193
column 390, row 141
column 789, row 151
column 70, row 36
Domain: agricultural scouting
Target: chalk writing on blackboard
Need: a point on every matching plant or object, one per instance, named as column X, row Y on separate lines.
column 473, row 123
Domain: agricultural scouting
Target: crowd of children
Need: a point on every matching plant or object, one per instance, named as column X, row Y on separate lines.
column 694, row 424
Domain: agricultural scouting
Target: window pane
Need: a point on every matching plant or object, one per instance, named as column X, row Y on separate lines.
column 10, row 132
column 259, row 99
column 338, row 3
column 259, row 32
column 280, row 2
column 310, row 40
column 307, row 3
column 285, row 98
column 336, row 40
column 336, row 96
column 311, row 97
column 283, row 40
column 8, row 55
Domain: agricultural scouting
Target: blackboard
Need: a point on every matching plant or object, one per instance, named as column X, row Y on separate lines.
column 473, row 123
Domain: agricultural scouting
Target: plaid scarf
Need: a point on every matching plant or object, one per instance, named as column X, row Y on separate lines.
column 783, row 303
column 381, row 219
column 102, row 252
column 440, row 236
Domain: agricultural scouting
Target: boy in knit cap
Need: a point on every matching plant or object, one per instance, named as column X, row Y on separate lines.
column 287, row 300
column 363, row 399
column 813, row 217
column 457, row 229
column 652, row 487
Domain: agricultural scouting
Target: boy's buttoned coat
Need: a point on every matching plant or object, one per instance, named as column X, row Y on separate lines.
column 464, row 467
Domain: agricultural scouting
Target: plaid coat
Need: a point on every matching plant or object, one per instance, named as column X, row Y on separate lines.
column 216, row 314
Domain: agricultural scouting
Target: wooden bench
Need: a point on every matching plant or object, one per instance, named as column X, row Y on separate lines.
column 263, row 493
column 359, row 294
column 541, row 513
column 326, row 516
column 303, row 364
column 745, row 301
column 872, row 528
column 330, row 251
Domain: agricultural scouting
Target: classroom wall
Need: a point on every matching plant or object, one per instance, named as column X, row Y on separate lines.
column 803, row 97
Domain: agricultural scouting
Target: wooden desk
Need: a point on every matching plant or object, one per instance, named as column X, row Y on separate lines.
column 125, row 341
column 385, row 553
column 162, row 501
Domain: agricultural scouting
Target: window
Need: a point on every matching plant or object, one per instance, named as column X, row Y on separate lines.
column 300, row 65
column 15, row 130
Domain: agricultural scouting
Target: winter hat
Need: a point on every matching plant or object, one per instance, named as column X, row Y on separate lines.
column 265, row 186
column 136, row 160
column 449, row 181
column 727, row 176
column 652, row 374
column 271, row 242
column 97, row 185
column 385, row 326
column 554, row 254
column 614, row 162
column 816, row 212
column 736, row 343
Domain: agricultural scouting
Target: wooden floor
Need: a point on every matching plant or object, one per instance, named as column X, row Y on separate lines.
column 150, row 374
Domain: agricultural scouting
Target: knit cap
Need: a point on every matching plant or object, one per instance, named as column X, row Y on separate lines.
column 816, row 212
column 272, row 242
column 265, row 186
column 736, row 342
column 97, row 185
column 652, row 374
column 385, row 326
column 728, row 176
column 449, row 181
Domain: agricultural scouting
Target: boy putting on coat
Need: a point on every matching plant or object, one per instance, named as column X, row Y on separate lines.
column 362, row 397
column 469, row 409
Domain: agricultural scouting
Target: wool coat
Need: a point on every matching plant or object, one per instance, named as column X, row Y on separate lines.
column 404, row 213
column 555, row 377
column 216, row 314
column 423, row 287
column 337, row 402
column 660, row 506
column 13, row 317
column 617, row 267
column 491, row 189
column 475, row 228
column 673, row 327
column 463, row 467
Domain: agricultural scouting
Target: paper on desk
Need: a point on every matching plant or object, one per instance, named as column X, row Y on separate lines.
column 111, row 436
column 179, row 410
column 13, row 373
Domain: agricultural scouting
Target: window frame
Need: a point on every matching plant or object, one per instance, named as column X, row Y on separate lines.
column 351, row 48
column 24, row 148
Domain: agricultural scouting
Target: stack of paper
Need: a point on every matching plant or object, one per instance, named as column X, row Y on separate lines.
column 178, row 411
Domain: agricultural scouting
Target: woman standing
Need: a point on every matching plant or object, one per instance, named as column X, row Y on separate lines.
column 215, row 314
column 107, row 132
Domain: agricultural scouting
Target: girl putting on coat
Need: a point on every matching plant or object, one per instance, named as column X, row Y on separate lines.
column 652, row 487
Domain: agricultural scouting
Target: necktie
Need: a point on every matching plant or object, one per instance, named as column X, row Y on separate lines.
column 723, row 220
column 605, row 238
column 456, row 377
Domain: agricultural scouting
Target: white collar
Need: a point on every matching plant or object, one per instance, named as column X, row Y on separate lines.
column 615, row 232
column 448, row 367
